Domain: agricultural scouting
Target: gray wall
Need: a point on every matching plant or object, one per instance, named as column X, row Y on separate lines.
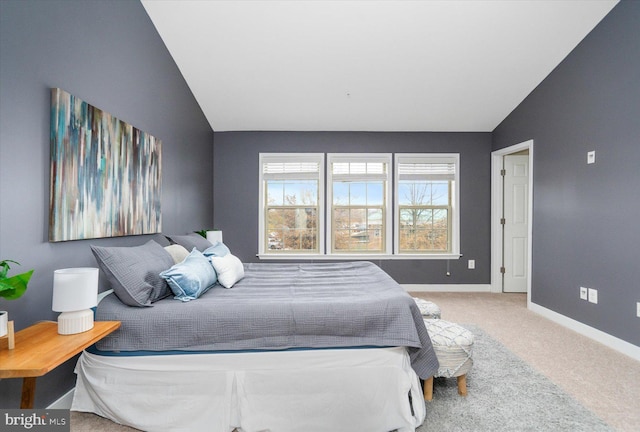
column 236, row 191
column 109, row 54
column 585, row 217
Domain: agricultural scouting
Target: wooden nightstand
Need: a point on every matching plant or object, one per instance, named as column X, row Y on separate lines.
column 40, row 349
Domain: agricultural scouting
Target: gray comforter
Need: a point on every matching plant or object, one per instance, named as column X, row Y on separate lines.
column 280, row 306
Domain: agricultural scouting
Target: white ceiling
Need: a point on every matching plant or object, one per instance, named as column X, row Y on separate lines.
column 368, row 65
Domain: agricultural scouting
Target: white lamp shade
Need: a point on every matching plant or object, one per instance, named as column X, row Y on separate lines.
column 214, row 236
column 75, row 289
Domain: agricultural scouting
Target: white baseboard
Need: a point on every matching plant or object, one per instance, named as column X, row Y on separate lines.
column 447, row 287
column 64, row 402
column 606, row 339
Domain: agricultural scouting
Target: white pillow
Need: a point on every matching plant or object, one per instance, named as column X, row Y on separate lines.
column 177, row 252
column 229, row 268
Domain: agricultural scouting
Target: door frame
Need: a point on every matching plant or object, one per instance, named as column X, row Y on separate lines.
column 497, row 203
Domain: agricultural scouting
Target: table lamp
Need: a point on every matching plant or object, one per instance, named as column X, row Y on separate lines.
column 214, row 236
column 75, row 292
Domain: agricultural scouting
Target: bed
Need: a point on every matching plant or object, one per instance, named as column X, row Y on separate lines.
column 291, row 347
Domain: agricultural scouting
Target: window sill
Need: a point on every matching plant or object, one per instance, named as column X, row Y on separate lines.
column 351, row 257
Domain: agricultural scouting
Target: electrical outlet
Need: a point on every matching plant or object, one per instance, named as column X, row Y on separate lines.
column 593, row 295
column 583, row 293
column 638, row 309
column 472, row 264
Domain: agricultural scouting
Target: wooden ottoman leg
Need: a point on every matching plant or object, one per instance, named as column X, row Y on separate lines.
column 427, row 388
column 462, row 385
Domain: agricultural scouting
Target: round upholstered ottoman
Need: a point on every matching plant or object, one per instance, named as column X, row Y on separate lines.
column 453, row 345
column 429, row 310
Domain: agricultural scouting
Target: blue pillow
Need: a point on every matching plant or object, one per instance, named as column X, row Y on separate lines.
column 219, row 249
column 192, row 277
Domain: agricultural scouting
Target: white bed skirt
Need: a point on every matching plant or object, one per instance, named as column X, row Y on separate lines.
column 354, row 390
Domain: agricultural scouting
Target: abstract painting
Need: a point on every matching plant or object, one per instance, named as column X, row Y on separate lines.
column 105, row 174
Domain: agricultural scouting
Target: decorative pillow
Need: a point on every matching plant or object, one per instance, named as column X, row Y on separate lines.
column 192, row 277
column 177, row 252
column 218, row 249
column 190, row 241
column 134, row 272
column 229, row 268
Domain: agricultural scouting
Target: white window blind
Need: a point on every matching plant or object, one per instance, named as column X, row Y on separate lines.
column 426, row 171
column 363, row 170
column 278, row 169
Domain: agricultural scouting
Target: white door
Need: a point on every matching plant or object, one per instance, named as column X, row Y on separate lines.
column 516, row 223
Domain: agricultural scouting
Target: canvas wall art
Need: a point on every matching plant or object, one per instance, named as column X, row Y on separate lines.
column 105, row 174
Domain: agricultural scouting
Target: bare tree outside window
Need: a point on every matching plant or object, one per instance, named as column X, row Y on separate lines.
column 358, row 216
column 292, row 216
column 424, row 208
column 404, row 204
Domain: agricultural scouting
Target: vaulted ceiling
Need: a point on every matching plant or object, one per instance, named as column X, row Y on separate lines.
column 368, row 65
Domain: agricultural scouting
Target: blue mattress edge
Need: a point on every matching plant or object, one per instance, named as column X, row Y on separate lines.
column 94, row 350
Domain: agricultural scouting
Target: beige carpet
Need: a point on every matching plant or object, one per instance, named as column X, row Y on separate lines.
column 603, row 380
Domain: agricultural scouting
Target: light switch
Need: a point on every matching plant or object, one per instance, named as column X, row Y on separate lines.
column 593, row 295
column 591, row 157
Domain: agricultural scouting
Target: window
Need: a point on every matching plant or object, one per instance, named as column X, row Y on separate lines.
column 393, row 206
column 359, row 201
column 291, row 202
column 426, row 202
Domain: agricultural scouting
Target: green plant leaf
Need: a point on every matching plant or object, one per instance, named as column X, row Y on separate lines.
column 4, row 267
column 13, row 287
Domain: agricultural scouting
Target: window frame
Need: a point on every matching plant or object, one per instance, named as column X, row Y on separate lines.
column 387, row 177
column 265, row 158
column 453, row 226
column 325, row 207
